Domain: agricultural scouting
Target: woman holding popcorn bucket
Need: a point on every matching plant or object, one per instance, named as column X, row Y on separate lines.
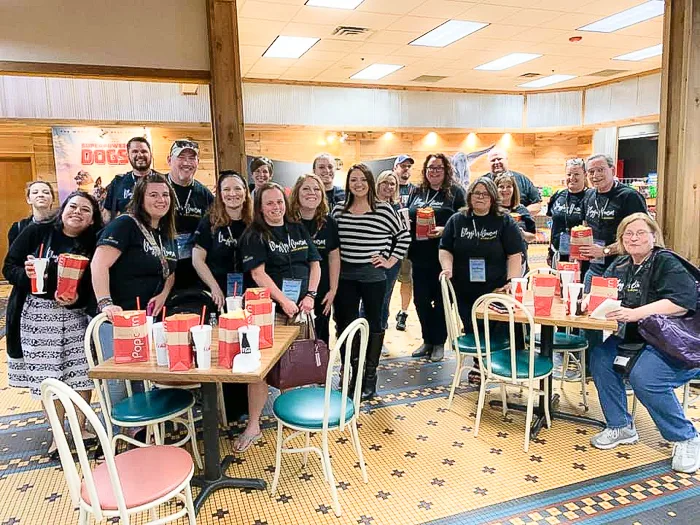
column 47, row 260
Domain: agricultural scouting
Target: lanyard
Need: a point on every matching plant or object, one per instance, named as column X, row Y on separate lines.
column 180, row 209
column 429, row 200
column 476, row 233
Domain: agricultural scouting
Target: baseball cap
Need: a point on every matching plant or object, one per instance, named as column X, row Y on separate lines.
column 181, row 145
column 403, row 158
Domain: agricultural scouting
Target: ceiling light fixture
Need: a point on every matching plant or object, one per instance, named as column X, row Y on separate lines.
column 629, row 17
column 547, row 81
column 290, row 46
column 335, row 4
column 451, row 31
column 642, row 54
column 507, row 61
column 376, row 71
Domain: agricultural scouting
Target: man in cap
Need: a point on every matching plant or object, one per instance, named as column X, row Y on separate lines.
column 121, row 189
column 529, row 195
column 402, row 170
column 192, row 201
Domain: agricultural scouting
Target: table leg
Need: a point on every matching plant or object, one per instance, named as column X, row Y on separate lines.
column 547, row 342
column 215, row 477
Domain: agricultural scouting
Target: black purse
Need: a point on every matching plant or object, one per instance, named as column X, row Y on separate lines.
column 626, row 358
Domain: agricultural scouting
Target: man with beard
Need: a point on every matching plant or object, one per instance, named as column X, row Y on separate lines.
column 120, row 190
column 324, row 168
column 529, row 195
column 402, row 170
column 192, row 201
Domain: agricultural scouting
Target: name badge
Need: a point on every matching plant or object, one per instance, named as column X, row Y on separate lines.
column 477, row 270
column 564, row 243
column 291, row 288
column 599, row 260
column 234, row 280
column 185, row 243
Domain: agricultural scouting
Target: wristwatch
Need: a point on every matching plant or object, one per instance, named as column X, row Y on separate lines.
column 606, row 251
column 312, row 294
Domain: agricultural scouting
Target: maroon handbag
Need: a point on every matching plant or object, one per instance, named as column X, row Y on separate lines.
column 304, row 363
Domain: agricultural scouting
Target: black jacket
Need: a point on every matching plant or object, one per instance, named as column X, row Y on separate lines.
column 15, row 303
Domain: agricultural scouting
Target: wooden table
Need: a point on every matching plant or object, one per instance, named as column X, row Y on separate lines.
column 557, row 318
column 214, row 477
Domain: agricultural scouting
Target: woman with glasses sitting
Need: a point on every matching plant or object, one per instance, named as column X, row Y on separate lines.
column 566, row 210
column 651, row 281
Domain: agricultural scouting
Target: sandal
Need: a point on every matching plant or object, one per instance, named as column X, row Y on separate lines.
column 244, row 441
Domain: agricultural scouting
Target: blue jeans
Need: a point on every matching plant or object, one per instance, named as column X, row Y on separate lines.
column 653, row 379
column 594, row 337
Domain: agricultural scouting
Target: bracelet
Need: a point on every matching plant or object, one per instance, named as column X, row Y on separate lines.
column 104, row 303
column 311, row 294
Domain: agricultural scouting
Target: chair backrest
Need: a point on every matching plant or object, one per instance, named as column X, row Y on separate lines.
column 55, row 391
column 483, row 304
column 346, row 338
column 452, row 319
column 545, row 270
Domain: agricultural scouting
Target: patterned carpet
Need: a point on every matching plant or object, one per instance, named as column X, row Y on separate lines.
column 423, row 461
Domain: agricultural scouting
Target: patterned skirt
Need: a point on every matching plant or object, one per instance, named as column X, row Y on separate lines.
column 52, row 344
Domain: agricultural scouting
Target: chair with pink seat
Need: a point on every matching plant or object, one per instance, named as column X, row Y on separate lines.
column 137, row 481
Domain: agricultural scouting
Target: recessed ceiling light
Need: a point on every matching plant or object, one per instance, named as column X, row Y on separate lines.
column 626, row 18
column 507, row 61
column 444, row 34
column 290, row 46
column 376, row 71
column 642, row 54
column 547, row 81
column 335, row 4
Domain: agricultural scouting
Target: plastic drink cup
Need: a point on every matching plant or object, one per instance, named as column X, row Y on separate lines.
column 149, row 327
column 234, row 303
column 40, row 264
column 575, row 299
column 518, row 285
column 201, row 336
column 161, row 345
column 566, row 277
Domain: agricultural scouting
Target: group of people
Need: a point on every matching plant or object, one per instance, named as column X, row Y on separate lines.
column 338, row 251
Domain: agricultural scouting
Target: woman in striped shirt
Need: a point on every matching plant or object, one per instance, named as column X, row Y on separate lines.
column 372, row 240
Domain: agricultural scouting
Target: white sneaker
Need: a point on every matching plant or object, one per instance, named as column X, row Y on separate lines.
column 612, row 437
column 686, row 456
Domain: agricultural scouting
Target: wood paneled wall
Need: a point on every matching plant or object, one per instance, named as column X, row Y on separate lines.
column 541, row 156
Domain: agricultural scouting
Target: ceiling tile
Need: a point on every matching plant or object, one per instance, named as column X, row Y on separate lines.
column 258, row 32
column 331, row 44
column 392, row 7
column 488, row 13
column 421, row 24
column 320, row 15
column 374, row 21
column 323, row 56
column 377, row 49
column 268, row 11
column 569, row 21
column 442, row 8
column 606, row 7
column 310, row 30
column 394, row 37
column 531, row 17
column 499, row 31
column 542, row 35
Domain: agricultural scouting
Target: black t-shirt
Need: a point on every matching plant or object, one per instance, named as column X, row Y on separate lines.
column 54, row 242
column 119, row 192
column 223, row 254
column 326, row 240
column 287, row 254
column 604, row 212
column 529, row 194
column 525, row 222
column 404, row 192
column 191, row 204
column 661, row 276
column 566, row 210
column 489, row 237
column 335, row 196
column 425, row 252
column 138, row 271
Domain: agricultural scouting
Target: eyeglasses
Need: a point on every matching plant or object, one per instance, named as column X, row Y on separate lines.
column 481, row 194
column 436, row 169
column 187, row 144
column 639, row 234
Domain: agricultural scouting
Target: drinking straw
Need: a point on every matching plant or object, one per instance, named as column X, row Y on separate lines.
column 235, row 288
column 41, row 250
column 138, row 303
column 204, row 311
column 163, row 313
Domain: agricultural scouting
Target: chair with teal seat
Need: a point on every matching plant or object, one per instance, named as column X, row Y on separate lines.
column 149, row 408
column 571, row 346
column 463, row 346
column 322, row 409
column 521, row 367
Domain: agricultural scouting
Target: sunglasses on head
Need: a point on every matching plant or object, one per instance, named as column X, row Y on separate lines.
column 186, row 144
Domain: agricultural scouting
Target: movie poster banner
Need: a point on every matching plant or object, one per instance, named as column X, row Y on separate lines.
column 88, row 158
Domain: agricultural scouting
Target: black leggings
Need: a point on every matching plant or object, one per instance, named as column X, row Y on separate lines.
column 427, row 296
column 347, row 303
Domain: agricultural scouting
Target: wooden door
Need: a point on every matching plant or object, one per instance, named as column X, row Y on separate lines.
column 15, row 173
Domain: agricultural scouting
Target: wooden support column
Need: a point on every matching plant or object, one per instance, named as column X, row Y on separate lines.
column 226, row 90
column 678, row 202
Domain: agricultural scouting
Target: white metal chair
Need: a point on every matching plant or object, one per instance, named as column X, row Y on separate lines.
column 321, row 409
column 150, row 408
column 687, row 398
column 136, row 481
column 571, row 346
column 463, row 345
column 518, row 367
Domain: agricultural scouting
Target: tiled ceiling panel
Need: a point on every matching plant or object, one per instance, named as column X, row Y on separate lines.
column 526, row 26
